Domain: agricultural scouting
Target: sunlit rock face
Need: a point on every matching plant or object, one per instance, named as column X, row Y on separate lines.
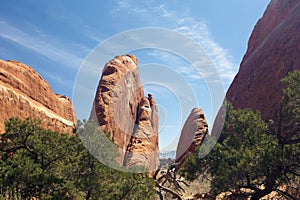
column 24, row 93
column 273, row 51
column 143, row 147
column 192, row 134
column 121, row 109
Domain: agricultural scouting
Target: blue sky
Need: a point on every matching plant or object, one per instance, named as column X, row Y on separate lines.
column 55, row 37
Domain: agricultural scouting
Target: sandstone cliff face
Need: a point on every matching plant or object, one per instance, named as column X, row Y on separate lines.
column 273, row 51
column 193, row 132
column 121, row 109
column 23, row 93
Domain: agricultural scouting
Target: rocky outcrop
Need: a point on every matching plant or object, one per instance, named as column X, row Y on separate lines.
column 273, row 51
column 121, row 109
column 24, row 93
column 192, row 134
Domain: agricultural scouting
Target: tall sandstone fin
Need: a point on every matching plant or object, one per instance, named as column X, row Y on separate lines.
column 192, row 134
column 120, row 109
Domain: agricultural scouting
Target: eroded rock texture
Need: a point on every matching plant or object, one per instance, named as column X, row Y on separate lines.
column 273, row 51
column 121, row 109
column 192, row 134
column 142, row 149
column 24, row 93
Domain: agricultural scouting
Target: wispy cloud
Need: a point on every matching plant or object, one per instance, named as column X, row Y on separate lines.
column 63, row 15
column 93, row 34
column 182, row 67
column 40, row 43
column 199, row 32
column 125, row 5
column 160, row 15
column 60, row 80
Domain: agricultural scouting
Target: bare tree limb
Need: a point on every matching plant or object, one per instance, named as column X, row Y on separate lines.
column 285, row 194
column 168, row 190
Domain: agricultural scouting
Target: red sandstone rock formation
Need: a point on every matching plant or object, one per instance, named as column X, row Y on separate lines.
column 193, row 132
column 121, row 109
column 273, row 51
column 24, row 93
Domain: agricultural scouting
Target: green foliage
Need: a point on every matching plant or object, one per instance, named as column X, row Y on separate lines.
column 46, row 165
column 289, row 123
column 36, row 162
column 194, row 166
column 246, row 156
column 252, row 153
column 98, row 143
column 243, row 155
column 288, row 128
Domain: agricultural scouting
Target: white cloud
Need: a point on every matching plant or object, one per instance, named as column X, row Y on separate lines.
column 162, row 11
column 221, row 57
column 93, row 34
column 42, row 44
column 197, row 30
column 55, row 78
column 129, row 7
column 180, row 65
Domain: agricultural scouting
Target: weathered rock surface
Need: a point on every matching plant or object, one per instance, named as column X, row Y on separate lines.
column 192, row 134
column 24, row 93
column 273, row 51
column 121, row 109
column 142, row 149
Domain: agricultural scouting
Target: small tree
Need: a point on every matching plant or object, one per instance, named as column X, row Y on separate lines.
column 101, row 181
column 42, row 164
column 36, row 162
column 287, row 128
column 254, row 157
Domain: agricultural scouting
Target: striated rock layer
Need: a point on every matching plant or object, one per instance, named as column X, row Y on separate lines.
column 24, row 93
column 192, row 134
column 121, row 109
column 273, row 51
